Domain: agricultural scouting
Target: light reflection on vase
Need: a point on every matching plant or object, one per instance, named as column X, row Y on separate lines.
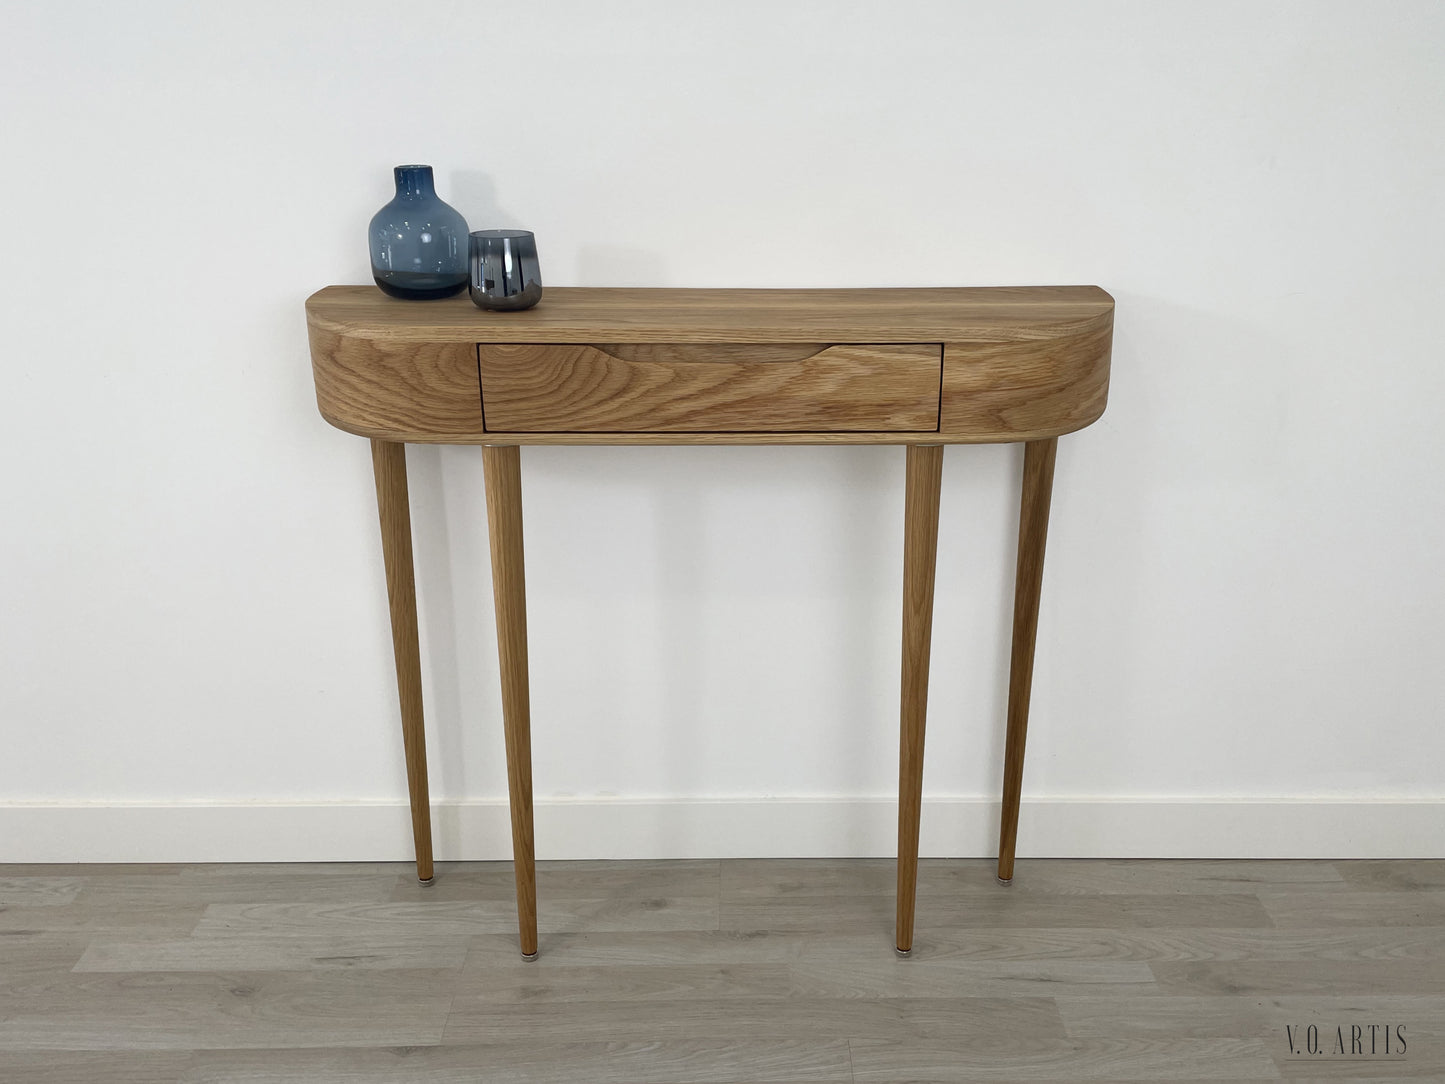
column 418, row 243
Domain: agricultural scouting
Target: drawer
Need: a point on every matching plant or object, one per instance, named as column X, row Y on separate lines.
column 687, row 387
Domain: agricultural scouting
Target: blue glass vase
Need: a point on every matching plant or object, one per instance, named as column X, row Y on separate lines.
column 418, row 243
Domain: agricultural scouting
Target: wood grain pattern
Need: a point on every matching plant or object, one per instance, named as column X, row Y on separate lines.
column 1299, row 977
column 89, row 1066
column 875, row 976
column 457, row 918
column 688, row 353
column 920, row 558
column 780, row 1016
column 630, row 982
column 398, row 391
column 39, row 891
column 138, row 921
column 1028, row 584
column 1178, row 978
column 550, row 1061
column 1019, row 363
column 1012, row 391
column 772, row 877
column 575, row 314
column 944, row 1060
column 170, row 1010
column 30, row 954
column 502, row 472
column 614, row 878
column 996, row 908
column 262, row 951
column 720, row 439
column 394, row 510
column 550, row 389
column 1386, row 876
column 202, row 886
column 1345, row 907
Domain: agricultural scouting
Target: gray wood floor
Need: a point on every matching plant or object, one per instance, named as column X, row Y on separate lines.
column 719, row 972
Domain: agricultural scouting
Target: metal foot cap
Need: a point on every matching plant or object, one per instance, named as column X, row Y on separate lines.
column 427, row 883
column 529, row 958
column 1003, row 881
column 903, row 952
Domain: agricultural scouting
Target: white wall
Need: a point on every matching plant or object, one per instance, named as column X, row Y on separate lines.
column 1242, row 599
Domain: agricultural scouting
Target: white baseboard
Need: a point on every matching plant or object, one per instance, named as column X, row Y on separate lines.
column 724, row 828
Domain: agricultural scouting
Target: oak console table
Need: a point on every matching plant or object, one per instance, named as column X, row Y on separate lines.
column 916, row 367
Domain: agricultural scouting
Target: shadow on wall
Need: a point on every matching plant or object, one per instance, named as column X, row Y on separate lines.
column 683, row 505
column 1166, row 603
column 694, row 500
column 446, row 580
column 1164, row 523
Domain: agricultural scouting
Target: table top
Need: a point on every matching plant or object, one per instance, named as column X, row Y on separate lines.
column 581, row 314
column 690, row 366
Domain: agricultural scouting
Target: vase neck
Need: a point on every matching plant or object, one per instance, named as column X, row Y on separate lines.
column 414, row 181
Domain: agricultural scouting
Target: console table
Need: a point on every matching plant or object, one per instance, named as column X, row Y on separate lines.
column 916, row 367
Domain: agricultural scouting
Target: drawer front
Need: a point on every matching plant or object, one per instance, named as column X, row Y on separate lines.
column 737, row 388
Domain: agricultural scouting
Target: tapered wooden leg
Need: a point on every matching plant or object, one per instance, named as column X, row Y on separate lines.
column 502, row 469
column 1028, row 581
column 920, row 553
column 388, row 461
